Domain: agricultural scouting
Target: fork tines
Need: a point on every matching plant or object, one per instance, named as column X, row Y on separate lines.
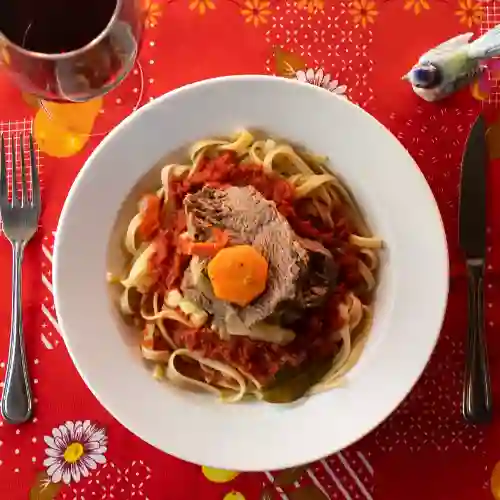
column 25, row 199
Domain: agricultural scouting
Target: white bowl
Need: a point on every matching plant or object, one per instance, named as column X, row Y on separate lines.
column 409, row 307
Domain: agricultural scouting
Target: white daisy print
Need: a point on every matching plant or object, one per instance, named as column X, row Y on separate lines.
column 320, row 79
column 75, row 449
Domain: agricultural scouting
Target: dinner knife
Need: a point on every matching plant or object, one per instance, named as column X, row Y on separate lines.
column 476, row 403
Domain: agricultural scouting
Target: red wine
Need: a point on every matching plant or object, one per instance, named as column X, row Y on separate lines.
column 54, row 26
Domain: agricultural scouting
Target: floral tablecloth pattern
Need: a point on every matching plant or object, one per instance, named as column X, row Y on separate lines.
column 74, row 449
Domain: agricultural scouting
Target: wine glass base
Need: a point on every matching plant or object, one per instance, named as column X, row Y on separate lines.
column 105, row 112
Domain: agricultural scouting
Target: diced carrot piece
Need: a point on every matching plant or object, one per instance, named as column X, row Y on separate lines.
column 238, row 274
column 204, row 248
column 150, row 208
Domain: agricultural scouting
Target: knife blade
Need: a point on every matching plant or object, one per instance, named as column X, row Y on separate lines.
column 476, row 400
column 472, row 211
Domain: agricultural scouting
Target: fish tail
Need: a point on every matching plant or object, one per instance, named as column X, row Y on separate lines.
column 487, row 45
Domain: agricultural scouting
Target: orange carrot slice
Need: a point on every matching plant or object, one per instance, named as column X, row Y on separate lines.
column 238, row 274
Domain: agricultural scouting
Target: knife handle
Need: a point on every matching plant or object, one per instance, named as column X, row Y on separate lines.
column 476, row 405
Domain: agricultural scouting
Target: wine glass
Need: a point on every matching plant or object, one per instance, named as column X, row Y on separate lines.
column 70, row 50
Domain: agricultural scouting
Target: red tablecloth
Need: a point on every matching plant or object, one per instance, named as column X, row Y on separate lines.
column 425, row 450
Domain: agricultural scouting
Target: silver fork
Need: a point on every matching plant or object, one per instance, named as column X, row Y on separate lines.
column 19, row 222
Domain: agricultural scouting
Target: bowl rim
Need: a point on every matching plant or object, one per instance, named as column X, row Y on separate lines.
column 87, row 167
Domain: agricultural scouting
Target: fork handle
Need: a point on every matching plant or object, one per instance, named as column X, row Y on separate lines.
column 17, row 400
column 476, row 405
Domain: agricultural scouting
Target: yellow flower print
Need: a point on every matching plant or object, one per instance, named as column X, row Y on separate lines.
column 363, row 12
column 311, row 6
column 256, row 11
column 62, row 130
column 470, row 12
column 218, row 475
column 153, row 13
column 201, row 5
column 234, row 495
column 417, row 5
column 495, row 481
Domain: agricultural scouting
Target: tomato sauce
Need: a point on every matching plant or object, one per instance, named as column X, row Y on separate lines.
column 261, row 359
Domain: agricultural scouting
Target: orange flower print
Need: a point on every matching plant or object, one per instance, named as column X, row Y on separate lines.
column 256, row 11
column 363, row 12
column 417, row 6
column 311, row 6
column 201, row 6
column 470, row 12
column 153, row 13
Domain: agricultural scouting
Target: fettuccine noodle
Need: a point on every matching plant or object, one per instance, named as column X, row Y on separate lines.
column 170, row 322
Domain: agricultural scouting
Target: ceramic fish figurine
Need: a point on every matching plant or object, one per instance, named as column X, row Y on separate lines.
column 453, row 64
